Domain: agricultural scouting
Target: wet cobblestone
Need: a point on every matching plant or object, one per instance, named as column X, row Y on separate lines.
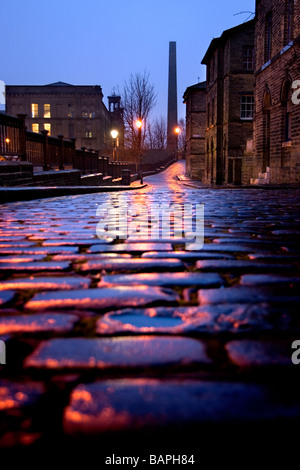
column 136, row 334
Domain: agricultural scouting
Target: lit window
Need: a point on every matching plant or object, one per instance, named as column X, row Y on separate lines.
column 35, row 127
column 248, row 58
column 92, row 114
column 47, row 127
column 247, row 107
column 34, row 110
column 70, row 111
column 88, row 134
column 85, row 114
column 47, row 113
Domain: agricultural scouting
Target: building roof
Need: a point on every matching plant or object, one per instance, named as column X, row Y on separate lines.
column 59, row 84
column 197, row 86
column 216, row 42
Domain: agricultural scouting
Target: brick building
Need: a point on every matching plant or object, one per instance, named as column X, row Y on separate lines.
column 69, row 110
column 229, row 63
column 195, row 100
column 277, row 110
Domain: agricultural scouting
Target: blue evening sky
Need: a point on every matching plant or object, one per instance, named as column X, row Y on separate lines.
column 97, row 42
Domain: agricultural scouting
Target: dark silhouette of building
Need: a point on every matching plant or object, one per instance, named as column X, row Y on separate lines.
column 229, row 63
column 172, row 99
column 277, row 104
column 116, row 114
column 195, row 99
column 69, row 110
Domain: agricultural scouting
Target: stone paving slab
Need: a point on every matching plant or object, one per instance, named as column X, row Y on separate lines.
column 138, row 403
column 118, row 352
column 6, row 296
column 254, row 353
column 259, row 279
column 35, row 266
column 211, row 319
column 164, row 279
column 37, row 250
column 132, row 247
column 245, row 295
column 132, row 264
column 186, row 256
column 14, row 395
column 57, row 323
column 47, row 283
column 21, row 258
column 103, row 298
column 241, row 265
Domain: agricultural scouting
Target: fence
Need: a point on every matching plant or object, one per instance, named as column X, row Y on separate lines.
column 51, row 153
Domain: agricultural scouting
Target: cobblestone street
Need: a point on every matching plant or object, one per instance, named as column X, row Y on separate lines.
column 143, row 337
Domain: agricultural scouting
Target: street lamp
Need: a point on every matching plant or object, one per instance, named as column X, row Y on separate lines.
column 114, row 133
column 177, row 131
column 139, row 125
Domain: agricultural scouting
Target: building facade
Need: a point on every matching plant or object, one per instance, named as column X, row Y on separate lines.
column 68, row 110
column 276, row 157
column 195, row 101
column 229, row 64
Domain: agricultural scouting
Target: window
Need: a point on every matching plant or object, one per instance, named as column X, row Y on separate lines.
column 268, row 38
column 92, row 114
column 289, row 21
column 88, row 134
column 47, row 113
column 35, row 127
column 287, row 103
column 213, row 111
column 248, row 58
column 70, row 111
column 247, row 107
column 47, row 127
column 34, row 110
column 85, row 114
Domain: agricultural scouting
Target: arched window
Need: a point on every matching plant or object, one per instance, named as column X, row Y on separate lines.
column 286, row 100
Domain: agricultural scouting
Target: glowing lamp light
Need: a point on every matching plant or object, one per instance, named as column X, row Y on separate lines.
column 177, row 130
column 7, row 140
column 138, row 123
column 114, row 134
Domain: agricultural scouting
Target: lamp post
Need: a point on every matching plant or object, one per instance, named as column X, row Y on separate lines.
column 139, row 124
column 114, row 135
column 177, row 131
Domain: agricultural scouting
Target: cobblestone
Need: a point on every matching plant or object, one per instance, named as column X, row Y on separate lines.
column 58, row 323
column 112, row 335
column 138, row 403
column 165, row 279
column 103, row 298
column 125, row 352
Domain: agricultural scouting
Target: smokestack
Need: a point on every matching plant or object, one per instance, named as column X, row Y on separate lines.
column 172, row 97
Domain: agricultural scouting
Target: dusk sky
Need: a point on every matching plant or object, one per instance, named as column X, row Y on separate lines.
column 96, row 42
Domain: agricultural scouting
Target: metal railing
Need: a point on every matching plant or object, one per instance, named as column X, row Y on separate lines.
column 58, row 153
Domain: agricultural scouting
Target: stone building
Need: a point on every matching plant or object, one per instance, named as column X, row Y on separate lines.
column 195, row 100
column 69, row 110
column 229, row 63
column 276, row 156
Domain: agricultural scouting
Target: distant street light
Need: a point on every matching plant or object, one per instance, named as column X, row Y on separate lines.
column 7, row 140
column 114, row 133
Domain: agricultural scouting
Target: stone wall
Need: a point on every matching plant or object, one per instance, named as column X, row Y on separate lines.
column 272, row 147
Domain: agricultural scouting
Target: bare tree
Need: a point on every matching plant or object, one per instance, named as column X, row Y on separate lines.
column 157, row 134
column 182, row 134
column 138, row 99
